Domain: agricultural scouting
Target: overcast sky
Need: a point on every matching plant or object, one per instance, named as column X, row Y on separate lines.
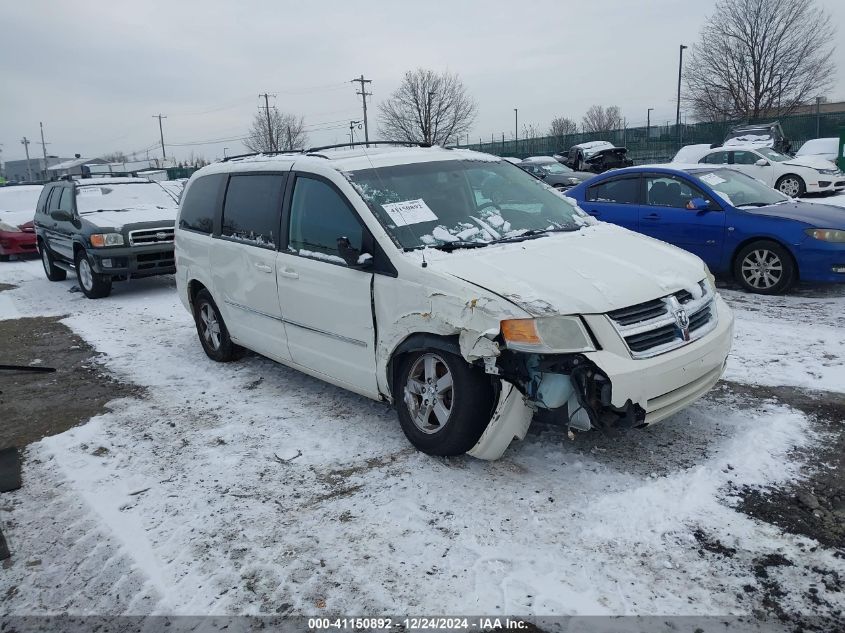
column 96, row 72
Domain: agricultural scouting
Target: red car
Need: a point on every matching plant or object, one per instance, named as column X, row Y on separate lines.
column 17, row 208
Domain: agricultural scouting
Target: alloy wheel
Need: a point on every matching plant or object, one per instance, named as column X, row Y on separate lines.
column 762, row 269
column 429, row 393
column 210, row 326
column 45, row 259
column 86, row 275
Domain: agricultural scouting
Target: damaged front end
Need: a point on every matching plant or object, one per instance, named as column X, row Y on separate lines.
column 567, row 388
column 574, row 390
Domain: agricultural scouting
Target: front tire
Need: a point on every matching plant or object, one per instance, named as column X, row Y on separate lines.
column 4, row 257
column 92, row 284
column 212, row 331
column 53, row 272
column 444, row 404
column 791, row 185
column 765, row 267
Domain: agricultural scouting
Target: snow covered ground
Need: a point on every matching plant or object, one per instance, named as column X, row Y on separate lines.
column 251, row 488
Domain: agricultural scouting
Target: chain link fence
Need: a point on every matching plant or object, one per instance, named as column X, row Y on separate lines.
column 659, row 143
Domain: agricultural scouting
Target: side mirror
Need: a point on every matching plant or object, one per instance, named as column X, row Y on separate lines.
column 698, row 204
column 762, row 163
column 352, row 256
column 61, row 216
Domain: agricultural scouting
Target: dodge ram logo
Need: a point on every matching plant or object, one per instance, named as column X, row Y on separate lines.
column 682, row 320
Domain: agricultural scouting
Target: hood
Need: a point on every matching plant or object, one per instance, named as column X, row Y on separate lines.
column 597, row 269
column 133, row 215
column 823, row 216
column 816, row 162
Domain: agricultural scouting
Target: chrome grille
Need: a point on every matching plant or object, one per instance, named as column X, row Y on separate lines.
column 658, row 326
column 161, row 235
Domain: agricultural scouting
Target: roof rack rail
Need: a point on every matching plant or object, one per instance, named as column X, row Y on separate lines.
column 312, row 150
column 276, row 153
column 360, row 143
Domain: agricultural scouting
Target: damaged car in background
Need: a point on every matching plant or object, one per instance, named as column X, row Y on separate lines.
column 596, row 157
column 450, row 283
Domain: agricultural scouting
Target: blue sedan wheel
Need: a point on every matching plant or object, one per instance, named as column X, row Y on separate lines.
column 764, row 267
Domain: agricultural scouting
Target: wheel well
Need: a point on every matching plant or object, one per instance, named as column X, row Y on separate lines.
column 418, row 342
column 76, row 248
column 194, row 287
column 751, row 240
column 794, row 176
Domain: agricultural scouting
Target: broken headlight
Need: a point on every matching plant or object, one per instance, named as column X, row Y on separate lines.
column 558, row 335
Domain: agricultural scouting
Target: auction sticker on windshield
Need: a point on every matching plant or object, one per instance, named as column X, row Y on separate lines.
column 89, row 191
column 712, row 179
column 409, row 212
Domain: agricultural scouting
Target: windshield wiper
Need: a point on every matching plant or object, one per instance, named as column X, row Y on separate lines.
column 531, row 235
column 451, row 246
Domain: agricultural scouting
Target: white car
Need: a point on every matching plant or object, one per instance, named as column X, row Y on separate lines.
column 792, row 176
column 826, row 148
column 450, row 283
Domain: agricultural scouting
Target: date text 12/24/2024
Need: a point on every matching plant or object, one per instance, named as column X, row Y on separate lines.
column 418, row 623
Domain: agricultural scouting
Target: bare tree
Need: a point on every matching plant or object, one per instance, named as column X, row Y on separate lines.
column 561, row 126
column 600, row 119
column 286, row 132
column 427, row 107
column 115, row 157
column 759, row 57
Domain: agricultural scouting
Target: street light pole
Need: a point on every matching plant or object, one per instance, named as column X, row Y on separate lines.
column 648, row 124
column 516, row 130
column 224, row 151
column 680, row 68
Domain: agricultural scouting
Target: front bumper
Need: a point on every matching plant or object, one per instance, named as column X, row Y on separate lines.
column 827, row 184
column 664, row 384
column 134, row 261
column 819, row 262
column 18, row 243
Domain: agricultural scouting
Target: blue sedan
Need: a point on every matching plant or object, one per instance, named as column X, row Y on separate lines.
column 735, row 223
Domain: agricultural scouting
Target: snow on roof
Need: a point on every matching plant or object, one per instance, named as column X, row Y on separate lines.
column 347, row 159
column 70, row 164
column 750, row 140
column 539, row 159
column 109, row 180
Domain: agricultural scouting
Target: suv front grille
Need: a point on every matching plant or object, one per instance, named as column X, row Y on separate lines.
column 658, row 326
column 162, row 235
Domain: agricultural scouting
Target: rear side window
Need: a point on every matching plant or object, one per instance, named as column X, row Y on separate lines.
column 200, row 204
column 252, row 209
column 54, row 198
column 66, row 200
column 318, row 217
column 716, row 158
column 622, row 190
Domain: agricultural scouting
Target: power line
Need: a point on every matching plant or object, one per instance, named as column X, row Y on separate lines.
column 160, row 116
column 364, row 94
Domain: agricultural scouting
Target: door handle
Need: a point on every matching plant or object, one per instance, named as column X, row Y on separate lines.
column 264, row 268
column 290, row 274
column 652, row 216
column 593, row 213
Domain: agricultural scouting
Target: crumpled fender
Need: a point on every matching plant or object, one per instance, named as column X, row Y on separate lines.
column 510, row 421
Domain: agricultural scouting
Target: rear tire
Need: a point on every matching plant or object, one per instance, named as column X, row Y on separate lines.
column 93, row 285
column 212, row 331
column 444, row 404
column 4, row 257
column 791, row 185
column 765, row 267
column 53, row 272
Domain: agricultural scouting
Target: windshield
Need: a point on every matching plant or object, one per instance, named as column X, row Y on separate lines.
column 772, row 154
column 554, row 168
column 739, row 190
column 122, row 196
column 461, row 202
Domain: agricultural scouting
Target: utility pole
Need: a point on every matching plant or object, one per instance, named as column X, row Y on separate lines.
column 44, row 150
column 364, row 94
column 25, row 143
column 161, row 132
column 352, row 125
column 224, row 151
column 274, row 144
column 680, row 68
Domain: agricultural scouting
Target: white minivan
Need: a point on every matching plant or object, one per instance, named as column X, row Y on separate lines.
column 450, row 283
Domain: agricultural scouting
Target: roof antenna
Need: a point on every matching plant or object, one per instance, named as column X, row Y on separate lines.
column 425, row 263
